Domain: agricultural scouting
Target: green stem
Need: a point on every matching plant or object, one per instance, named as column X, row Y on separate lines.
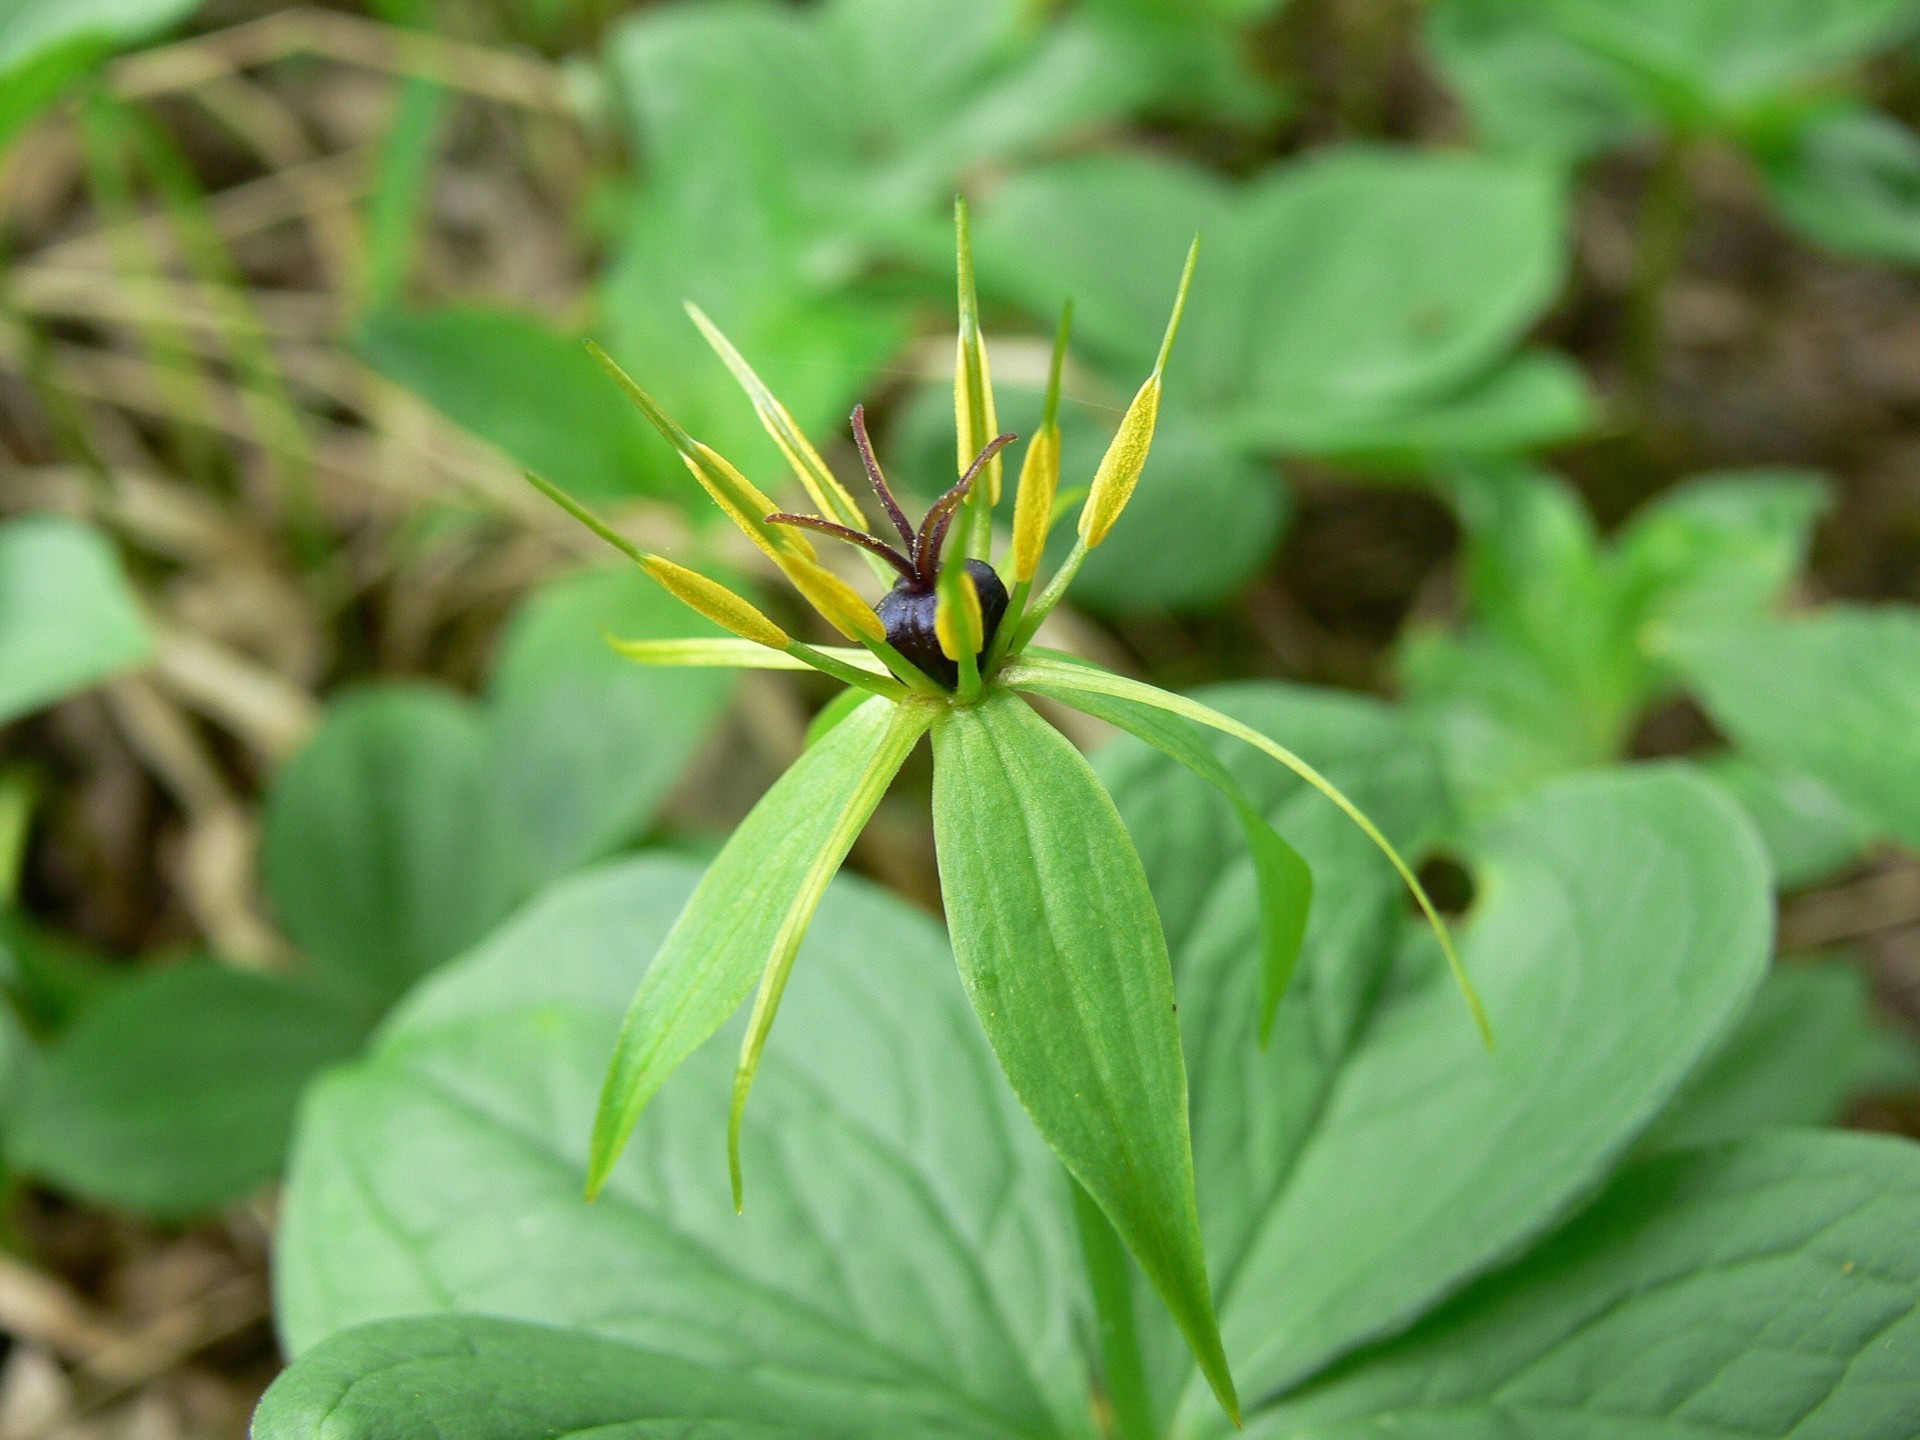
column 1663, row 227
column 1031, row 622
column 1110, row 1275
column 847, row 674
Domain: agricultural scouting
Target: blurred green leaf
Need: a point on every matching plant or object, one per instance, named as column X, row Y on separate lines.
column 1570, row 77
column 1721, row 546
column 1848, row 177
column 1716, row 58
column 174, row 1091
column 1197, row 53
column 587, row 744
column 48, row 977
column 45, row 45
column 1528, row 87
column 1358, row 300
column 402, row 188
column 1558, row 657
column 377, row 840
column 1835, row 695
column 1762, row 1288
column 415, row 820
column 524, row 387
column 1810, row 832
column 1060, row 948
column 1808, row 1045
column 412, row 1379
column 67, row 616
column 905, row 1252
column 787, row 152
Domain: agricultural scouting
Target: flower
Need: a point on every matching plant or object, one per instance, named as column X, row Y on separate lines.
column 1053, row 927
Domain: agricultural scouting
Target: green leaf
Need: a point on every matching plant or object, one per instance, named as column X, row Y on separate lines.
column 525, row 388
column 586, row 743
column 1810, row 832
column 1062, row 955
column 1808, row 1045
column 907, row 1255
column 1835, row 696
column 1768, row 1288
column 1489, row 258
column 1848, row 177
column 1436, row 1161
column 1285, row 883
column 47, row 44
column 1714, row 61
column 1374, row 1125
column 174, row 1091
column 1573, row 77
column 749, row 916
column 1528, row 87
column 1035, row 671
column 1533, row 399
column 426, row 1378
column 1555, row 665
column 1342, row 290
column 377, row 848
column 67, row 618
column 414, row 820
column 1722, row 546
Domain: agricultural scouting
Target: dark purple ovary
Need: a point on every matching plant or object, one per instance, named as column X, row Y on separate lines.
column 908, row 610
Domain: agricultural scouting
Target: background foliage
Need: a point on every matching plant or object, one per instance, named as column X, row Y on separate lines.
column 1548, row 376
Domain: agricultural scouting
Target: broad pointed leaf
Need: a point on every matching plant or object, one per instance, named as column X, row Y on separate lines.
column 1060, row 948
column 1835, row 696
column 906, row 1256
column 1769, row 1287
column 487, row 1379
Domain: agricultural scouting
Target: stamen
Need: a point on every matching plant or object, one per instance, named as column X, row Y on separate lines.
column 853, row 537
column 933, row 530
column 865, row 445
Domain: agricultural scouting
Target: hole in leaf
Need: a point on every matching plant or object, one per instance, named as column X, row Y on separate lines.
column 1449, row 884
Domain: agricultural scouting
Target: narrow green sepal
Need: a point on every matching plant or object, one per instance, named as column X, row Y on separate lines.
column 1034, row 672
column 741, row 914
column 904, row 728
column 1061, row 951
column 1283, row 878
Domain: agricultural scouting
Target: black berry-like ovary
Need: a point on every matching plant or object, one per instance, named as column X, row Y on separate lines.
column 908, row 611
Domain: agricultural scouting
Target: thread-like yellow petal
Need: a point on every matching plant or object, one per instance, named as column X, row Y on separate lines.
column 743, row 501
column 1040, row 469
column 713, row 600
column 1126, row 457
column 829, row 496
column 1033, row 501
column 1120, row 467
column 838, row 601
column 974, row 421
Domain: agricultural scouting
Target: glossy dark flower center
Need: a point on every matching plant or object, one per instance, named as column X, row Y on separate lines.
column 908, row 613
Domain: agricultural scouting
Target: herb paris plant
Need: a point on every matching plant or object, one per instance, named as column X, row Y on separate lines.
column 1053, row 924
